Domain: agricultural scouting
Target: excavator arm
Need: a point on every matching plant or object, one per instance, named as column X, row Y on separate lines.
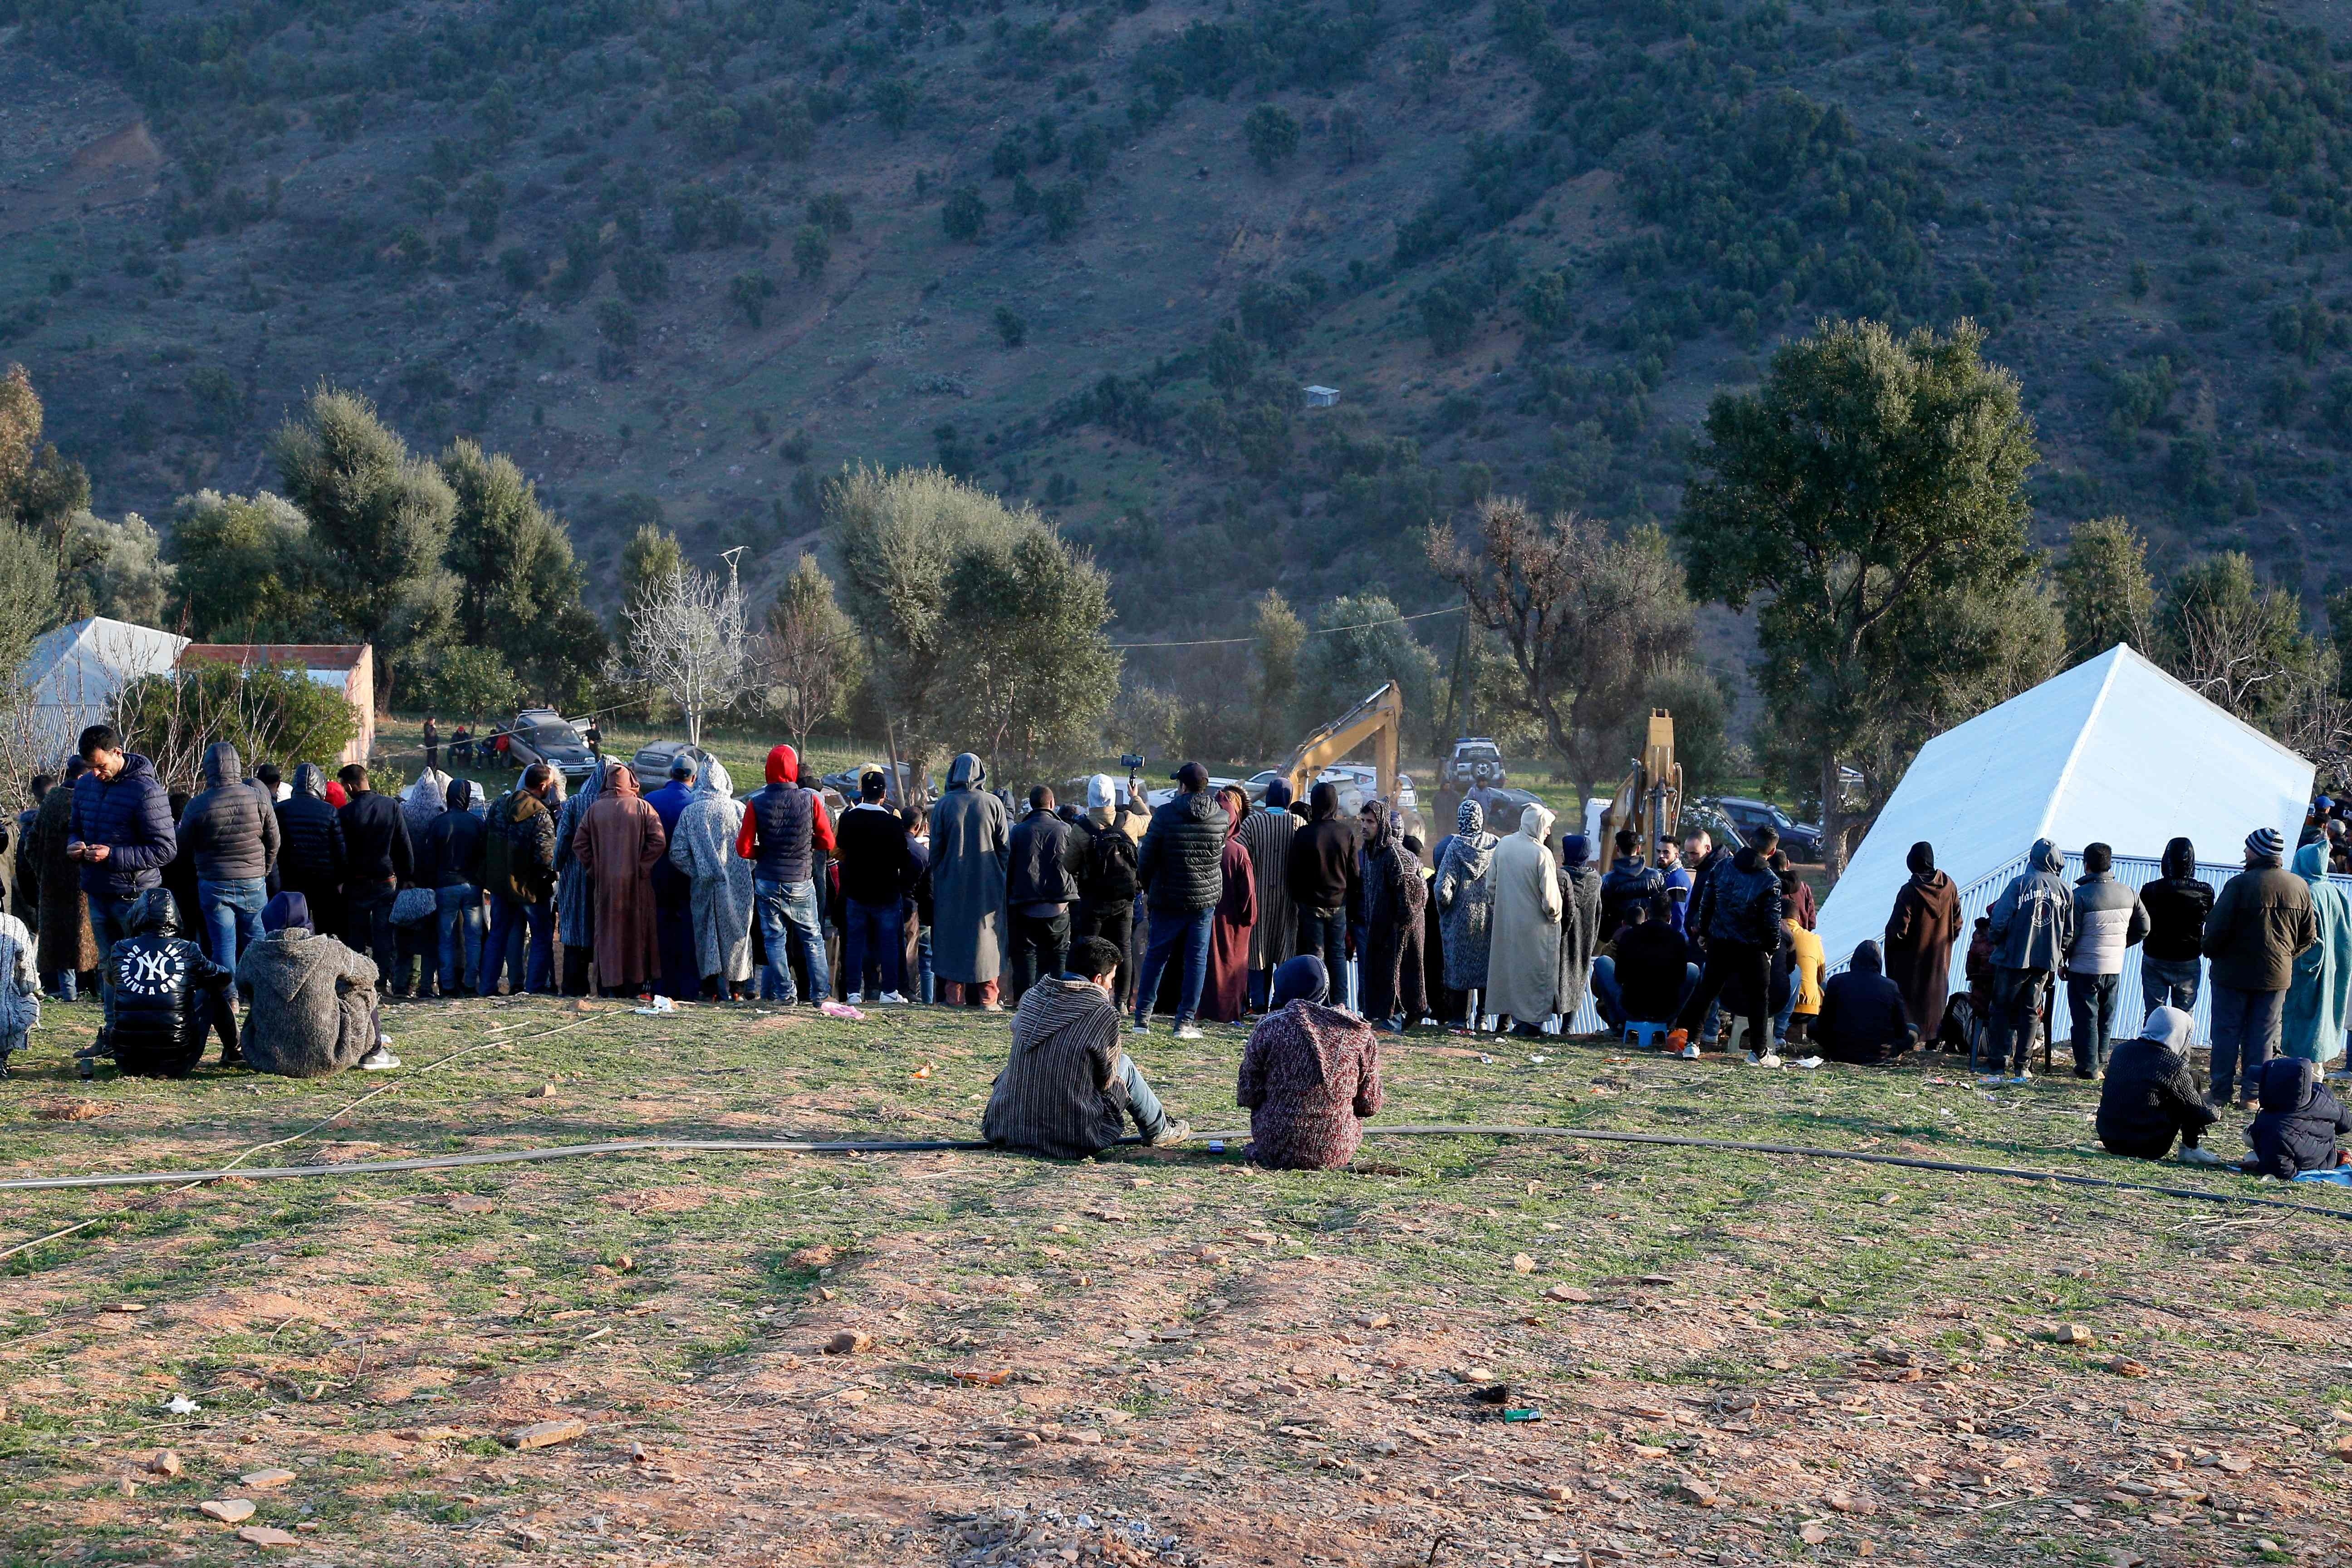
column 1378, row 718
column 1649, row 800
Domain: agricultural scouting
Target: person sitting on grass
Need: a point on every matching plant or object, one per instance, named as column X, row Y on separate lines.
column 2300, row 1119
column 1310, row 1074
column 313, row 1001
column 167, row 995
column 2150, row 1097
column 1068, row 1088
column 20, row 988
column 1862, row 1019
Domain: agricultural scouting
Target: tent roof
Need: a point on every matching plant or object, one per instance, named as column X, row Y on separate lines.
column 86, row 661
column 2112, row 751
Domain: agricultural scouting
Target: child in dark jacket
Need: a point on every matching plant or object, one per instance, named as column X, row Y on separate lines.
column 2298, row 1124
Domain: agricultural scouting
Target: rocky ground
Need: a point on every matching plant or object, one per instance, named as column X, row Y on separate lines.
column 1464, row 1351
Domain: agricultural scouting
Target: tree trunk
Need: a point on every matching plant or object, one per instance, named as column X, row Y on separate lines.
column 1834, row 822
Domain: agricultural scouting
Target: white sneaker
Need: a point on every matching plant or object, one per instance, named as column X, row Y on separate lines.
column 2200, row 1157
column 1690, row 1052
column 1137, row 1027
column 889, row 998
column 1768, row 1059
column 1187, row 1032
column 1170, row 1133
column 855, row 999
column 380, row 1059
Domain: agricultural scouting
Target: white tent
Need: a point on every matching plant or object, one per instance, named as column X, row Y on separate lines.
column 75, row 671
column 2113, row 751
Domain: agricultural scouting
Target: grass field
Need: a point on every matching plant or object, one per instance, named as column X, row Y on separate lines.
column 1736, row 1358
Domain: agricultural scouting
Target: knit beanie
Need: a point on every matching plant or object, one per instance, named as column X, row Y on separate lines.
column 2266, row 843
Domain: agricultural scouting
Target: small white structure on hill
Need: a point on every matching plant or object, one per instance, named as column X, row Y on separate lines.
column 2113, row 751
column 75, row 671
column 1322, row 397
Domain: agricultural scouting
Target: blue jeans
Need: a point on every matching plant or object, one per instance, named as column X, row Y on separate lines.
column 1170, row 927
column 231, row 912
column 109, row 924
column 2245, row 1030
column 874, row 934
column 783, row 906
column 1150, row 1115
column 2090, row 1005
column 2171, row 982
column 509, row 920
column 459, row 912
column 65, row 985
column 923, row 965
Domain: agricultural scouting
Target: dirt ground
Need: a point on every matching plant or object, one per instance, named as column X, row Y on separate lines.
column 1155, row 1357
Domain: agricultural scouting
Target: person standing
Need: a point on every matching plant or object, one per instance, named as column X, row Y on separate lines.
column 1464, row 894
column 121, row 836
column 311, row 857
column 378, row 857
column 24, row 887
column 719, row 884
column 449, row 861
column 1224, row 995
column 1581, row 927
column 2262, row 920
column 1180, row 863
column 518, row 873
column 2171, row 961
column 432, row 744
column 879, row 868
column 1319, row 874
column 1742, row 905
column 1698, row 859
column 575, row 888
column 1920, row 935
column 1266, row 832
column 2031, row 927
column 1523, row 948
column 783, row 828
column 2312, row 1022
column 1102, row 859
column 970, row 853
column 619, row 842
column 673, row 889
column 1676, row 875
column 1038, row 893
column 2109, row 920
column 66, row 948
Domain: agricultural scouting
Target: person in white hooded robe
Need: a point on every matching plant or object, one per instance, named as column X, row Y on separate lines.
column 1523, row 944
column 702, row 847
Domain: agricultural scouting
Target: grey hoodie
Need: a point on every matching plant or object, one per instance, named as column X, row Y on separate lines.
column 2033, row 919
column 231, row 830
column 314, row 999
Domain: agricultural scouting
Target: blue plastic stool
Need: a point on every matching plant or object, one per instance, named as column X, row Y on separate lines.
column 1644, row 1036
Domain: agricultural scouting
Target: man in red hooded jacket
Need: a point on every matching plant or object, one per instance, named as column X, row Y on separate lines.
column 783, row 827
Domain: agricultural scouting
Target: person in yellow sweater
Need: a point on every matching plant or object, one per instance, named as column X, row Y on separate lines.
column 1808, row 971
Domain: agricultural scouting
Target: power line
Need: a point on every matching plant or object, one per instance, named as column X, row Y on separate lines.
column 1313, row 632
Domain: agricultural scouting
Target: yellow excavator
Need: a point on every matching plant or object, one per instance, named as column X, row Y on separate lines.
column 1649, row 800
column 1379, row 718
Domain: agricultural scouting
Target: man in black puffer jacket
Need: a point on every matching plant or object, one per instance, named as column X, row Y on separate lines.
column 1039, row 891
column 2171, row 959
column 380, row 858
column 1743, row 930
column 310, row 859
column 1183, row 878
column 167, row 995
column 1630, row 881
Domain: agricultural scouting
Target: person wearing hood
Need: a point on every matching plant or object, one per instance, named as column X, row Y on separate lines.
column 1464, row 891
column 311, row 1003
column 1309, row 1075
column 1267, row 833
column 379, row 859
column 879, row 870
column 1100, row 855
column 518, row 863
column 1650, row 972
column 2312, row 1020
column 619, row 842
column 673, row 889
column 1067, row 1089
column 25, row 878
column 311, row 858
column 1394, row 900
column 2299, row 1122
column 1920, row 936
column 121, row 836
column 2108, row 921
column 1862, row 1019
column 167, row 995
column 449, row 861
column 1523, row 946
column 1038, row 892
column 575, row 888
column 20, row 987
column 1630, row 880
column 1182, row 865
column 1582, row 927
column 784, row 828
column 1742, row 905
column 1809, row 969
column 970, row 860
column 718, row 883
column 1225, row 989
column 2262, row 920
column 415, row 909
column 231, row 834
column 1319, row 872
column 67, row 946
column 2150, row 1099
column 2032, row 925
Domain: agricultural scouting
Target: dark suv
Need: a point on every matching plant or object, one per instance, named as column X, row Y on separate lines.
column 543, row 735
column 1802, row 840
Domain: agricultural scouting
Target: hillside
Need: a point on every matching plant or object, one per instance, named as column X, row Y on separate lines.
column 692, row 258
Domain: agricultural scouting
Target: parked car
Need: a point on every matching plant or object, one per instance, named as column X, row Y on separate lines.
column 1475, row 760
column 1802, row 840
column 1719, row 828
column 543, row 735
column 846, row 782
column 651, row 764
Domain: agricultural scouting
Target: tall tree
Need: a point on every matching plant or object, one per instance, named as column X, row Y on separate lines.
column 520, row 583
column 810, row 658
column 686, row 642
column 248, row 570
column 1277, row 637
column 1361, row 643
column 2103, row 586
column 381, row 519
column 1590, row 622
column 28, row 594
column 2234, row 639
column 1019, row 596
column 1868, row 480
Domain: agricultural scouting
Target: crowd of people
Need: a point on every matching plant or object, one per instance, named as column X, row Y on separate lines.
column 283, row 916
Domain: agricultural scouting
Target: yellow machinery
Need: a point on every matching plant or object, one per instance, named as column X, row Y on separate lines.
column 1379, row 718
column 1649, row 800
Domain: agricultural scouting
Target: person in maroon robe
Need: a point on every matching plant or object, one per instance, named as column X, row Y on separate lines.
column 1226, row 998
column 619, row 842
column 1920, row 936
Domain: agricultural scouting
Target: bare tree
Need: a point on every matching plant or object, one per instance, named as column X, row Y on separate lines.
column 2231, row 658
column 687, row 641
